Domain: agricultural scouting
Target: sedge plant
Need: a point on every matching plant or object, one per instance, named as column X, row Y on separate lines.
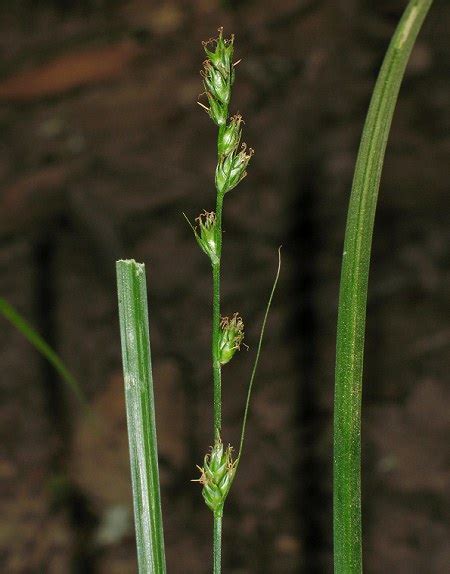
column 219, row 466
column 227, row 333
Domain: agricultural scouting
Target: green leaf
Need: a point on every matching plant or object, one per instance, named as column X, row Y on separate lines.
column 258, row 352
column 353, row 293
column 137, row 369
column 40, row 345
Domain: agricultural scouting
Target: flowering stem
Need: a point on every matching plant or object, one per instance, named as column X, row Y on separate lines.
column 217, row 370
column 217, row 543
column 227, row 333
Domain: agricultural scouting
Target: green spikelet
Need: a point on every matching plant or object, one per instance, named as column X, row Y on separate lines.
column 217, row 476
column 218, row 76
column 231, row 336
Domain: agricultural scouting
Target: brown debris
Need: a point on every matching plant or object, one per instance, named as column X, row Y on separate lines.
column 69, row 71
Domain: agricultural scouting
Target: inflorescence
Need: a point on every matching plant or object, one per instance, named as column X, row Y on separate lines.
column 218, row 75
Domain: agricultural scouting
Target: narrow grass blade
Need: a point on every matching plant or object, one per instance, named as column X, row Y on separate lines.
column 22, row 325
column 258, row 352
column 353, row 293
column 134, row 331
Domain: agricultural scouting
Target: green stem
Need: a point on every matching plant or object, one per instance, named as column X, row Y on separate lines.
column 217, row 368
column 217, row 371
column 353, row 293
column 217, row 543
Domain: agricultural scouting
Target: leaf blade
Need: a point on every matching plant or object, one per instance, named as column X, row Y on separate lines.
column 353, row 292
column 22, row 325
column 141, row 422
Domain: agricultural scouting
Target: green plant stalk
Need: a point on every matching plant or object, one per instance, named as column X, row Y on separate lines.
column 217, row 383
column 136, row 356
column 40, row 345
column 226, row 333
column 353, row 293
column 217, row 543
column 217, row 370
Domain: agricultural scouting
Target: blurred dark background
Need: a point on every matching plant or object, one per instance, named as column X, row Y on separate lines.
column 102, row 147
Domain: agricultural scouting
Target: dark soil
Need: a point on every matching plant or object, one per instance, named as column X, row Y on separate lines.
column 102, row 148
